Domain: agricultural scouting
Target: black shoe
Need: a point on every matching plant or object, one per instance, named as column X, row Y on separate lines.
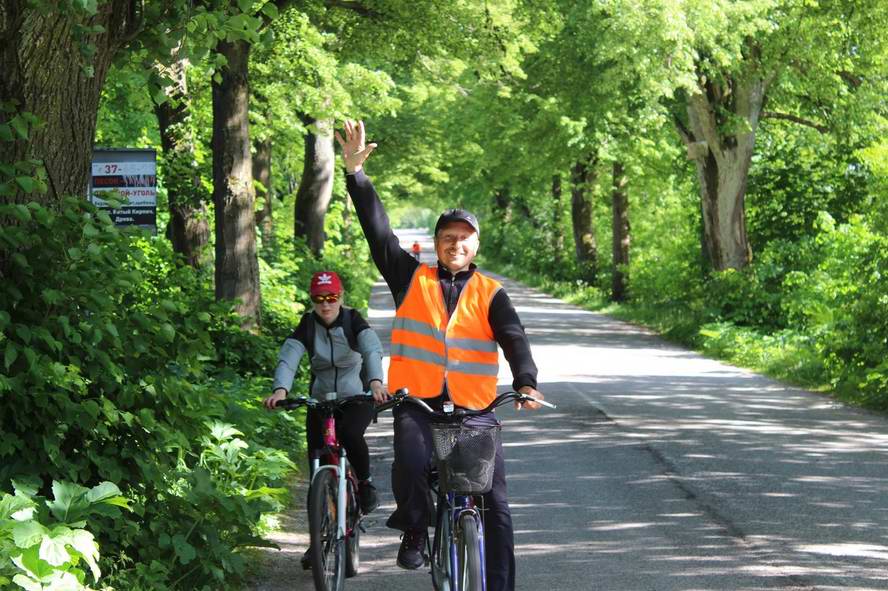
column 367, row 494
column 306, row 559
column 410, row 553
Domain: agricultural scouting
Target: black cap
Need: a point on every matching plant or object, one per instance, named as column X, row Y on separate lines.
column 457, row 215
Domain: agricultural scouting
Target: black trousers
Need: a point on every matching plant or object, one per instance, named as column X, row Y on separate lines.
column 351, row 423
column 413, row 455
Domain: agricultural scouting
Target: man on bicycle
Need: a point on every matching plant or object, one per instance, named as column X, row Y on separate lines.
column 449, row 321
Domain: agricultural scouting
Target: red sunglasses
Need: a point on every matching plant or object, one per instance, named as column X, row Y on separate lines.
column 325, row 298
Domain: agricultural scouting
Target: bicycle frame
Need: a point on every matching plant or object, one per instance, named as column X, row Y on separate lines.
column 336, row 461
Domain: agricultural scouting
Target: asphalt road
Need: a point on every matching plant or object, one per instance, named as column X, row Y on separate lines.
column 660, row 470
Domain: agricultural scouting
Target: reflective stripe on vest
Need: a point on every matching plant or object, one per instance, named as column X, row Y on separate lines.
column 427, row 348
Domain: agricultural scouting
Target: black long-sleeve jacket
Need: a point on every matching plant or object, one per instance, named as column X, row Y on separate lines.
column 397, row 267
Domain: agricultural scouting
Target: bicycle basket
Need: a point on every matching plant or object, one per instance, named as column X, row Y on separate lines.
column 465, row 457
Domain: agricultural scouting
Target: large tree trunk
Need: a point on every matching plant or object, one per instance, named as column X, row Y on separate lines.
column 722, row 150
column 586, row 246
column 42, row 71
column 262, row 174
column 557, row 228
column 620, row 204
column 316, row 187
column 189, row 229
column 237, row 264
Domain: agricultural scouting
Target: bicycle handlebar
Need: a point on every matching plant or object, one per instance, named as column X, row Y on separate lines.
column 294, row 403
column 403, row 395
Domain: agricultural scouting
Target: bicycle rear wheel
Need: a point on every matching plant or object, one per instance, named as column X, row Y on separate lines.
column 469, row 553
column 441, row 575
column 328, row 549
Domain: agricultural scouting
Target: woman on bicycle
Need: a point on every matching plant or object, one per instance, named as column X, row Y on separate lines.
column 335, row 367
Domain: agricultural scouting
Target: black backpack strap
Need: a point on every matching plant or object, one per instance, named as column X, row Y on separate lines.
column 349, row 329
column 309, row 336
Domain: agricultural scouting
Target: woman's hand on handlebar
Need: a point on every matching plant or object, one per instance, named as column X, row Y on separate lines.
column 276, row 397
column 529, row 391
column 379, row 391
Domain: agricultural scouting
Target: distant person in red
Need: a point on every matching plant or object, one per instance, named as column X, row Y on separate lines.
column 416, row 248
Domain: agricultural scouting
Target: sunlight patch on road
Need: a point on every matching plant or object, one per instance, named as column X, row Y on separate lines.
column 847, row 549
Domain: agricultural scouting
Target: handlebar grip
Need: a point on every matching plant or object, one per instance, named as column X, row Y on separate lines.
column 544, row 403
column 291, row 403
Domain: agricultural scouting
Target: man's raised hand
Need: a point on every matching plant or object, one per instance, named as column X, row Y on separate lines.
column 354, row 152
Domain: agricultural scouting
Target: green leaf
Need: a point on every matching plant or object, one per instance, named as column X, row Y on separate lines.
column 23, row 332
column 102, row 491
column 53, row 551
column 270, row 10
column 245, row 5
column 30, row 562
column 26, row 183
column 20, row 125
column 28, row 533
column 27, row 583
column 26, row 486
column 11, row 354
column 22, row 213
column 70, row 500
column 52, row 296
column 88, row 6
column 168, row 332
column 185, row 552
column 83, row 542
column 5, row 133
column 20, row 260
column 13, row 504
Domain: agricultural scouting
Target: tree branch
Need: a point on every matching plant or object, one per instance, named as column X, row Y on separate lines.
column 853, row 80
column 795, row 119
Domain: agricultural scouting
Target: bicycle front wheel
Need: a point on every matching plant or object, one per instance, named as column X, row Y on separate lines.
column 469, row 554
column 327, row 548
column 441, row 548
column 353, row 541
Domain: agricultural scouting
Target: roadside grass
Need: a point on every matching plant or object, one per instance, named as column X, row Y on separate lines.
column 787, row 355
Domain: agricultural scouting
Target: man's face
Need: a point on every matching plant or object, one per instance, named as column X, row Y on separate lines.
column 456, row 245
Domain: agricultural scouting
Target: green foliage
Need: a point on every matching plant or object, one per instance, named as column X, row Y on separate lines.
column 812, row 312
column 119, row 384
column 43, row 542
column 796, row 174
column 841, row 301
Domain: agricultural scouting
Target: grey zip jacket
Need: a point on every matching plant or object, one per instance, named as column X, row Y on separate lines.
column 335, row 366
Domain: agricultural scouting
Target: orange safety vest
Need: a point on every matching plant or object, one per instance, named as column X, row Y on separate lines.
column 429, row 348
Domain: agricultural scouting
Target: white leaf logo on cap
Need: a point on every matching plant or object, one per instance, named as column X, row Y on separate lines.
column 325, row 279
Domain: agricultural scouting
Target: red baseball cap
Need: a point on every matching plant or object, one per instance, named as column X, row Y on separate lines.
column 325, row 282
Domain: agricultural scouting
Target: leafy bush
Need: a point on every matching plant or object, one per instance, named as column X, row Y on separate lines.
column 108, row 350
column 843, row 303
column 43, row 542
